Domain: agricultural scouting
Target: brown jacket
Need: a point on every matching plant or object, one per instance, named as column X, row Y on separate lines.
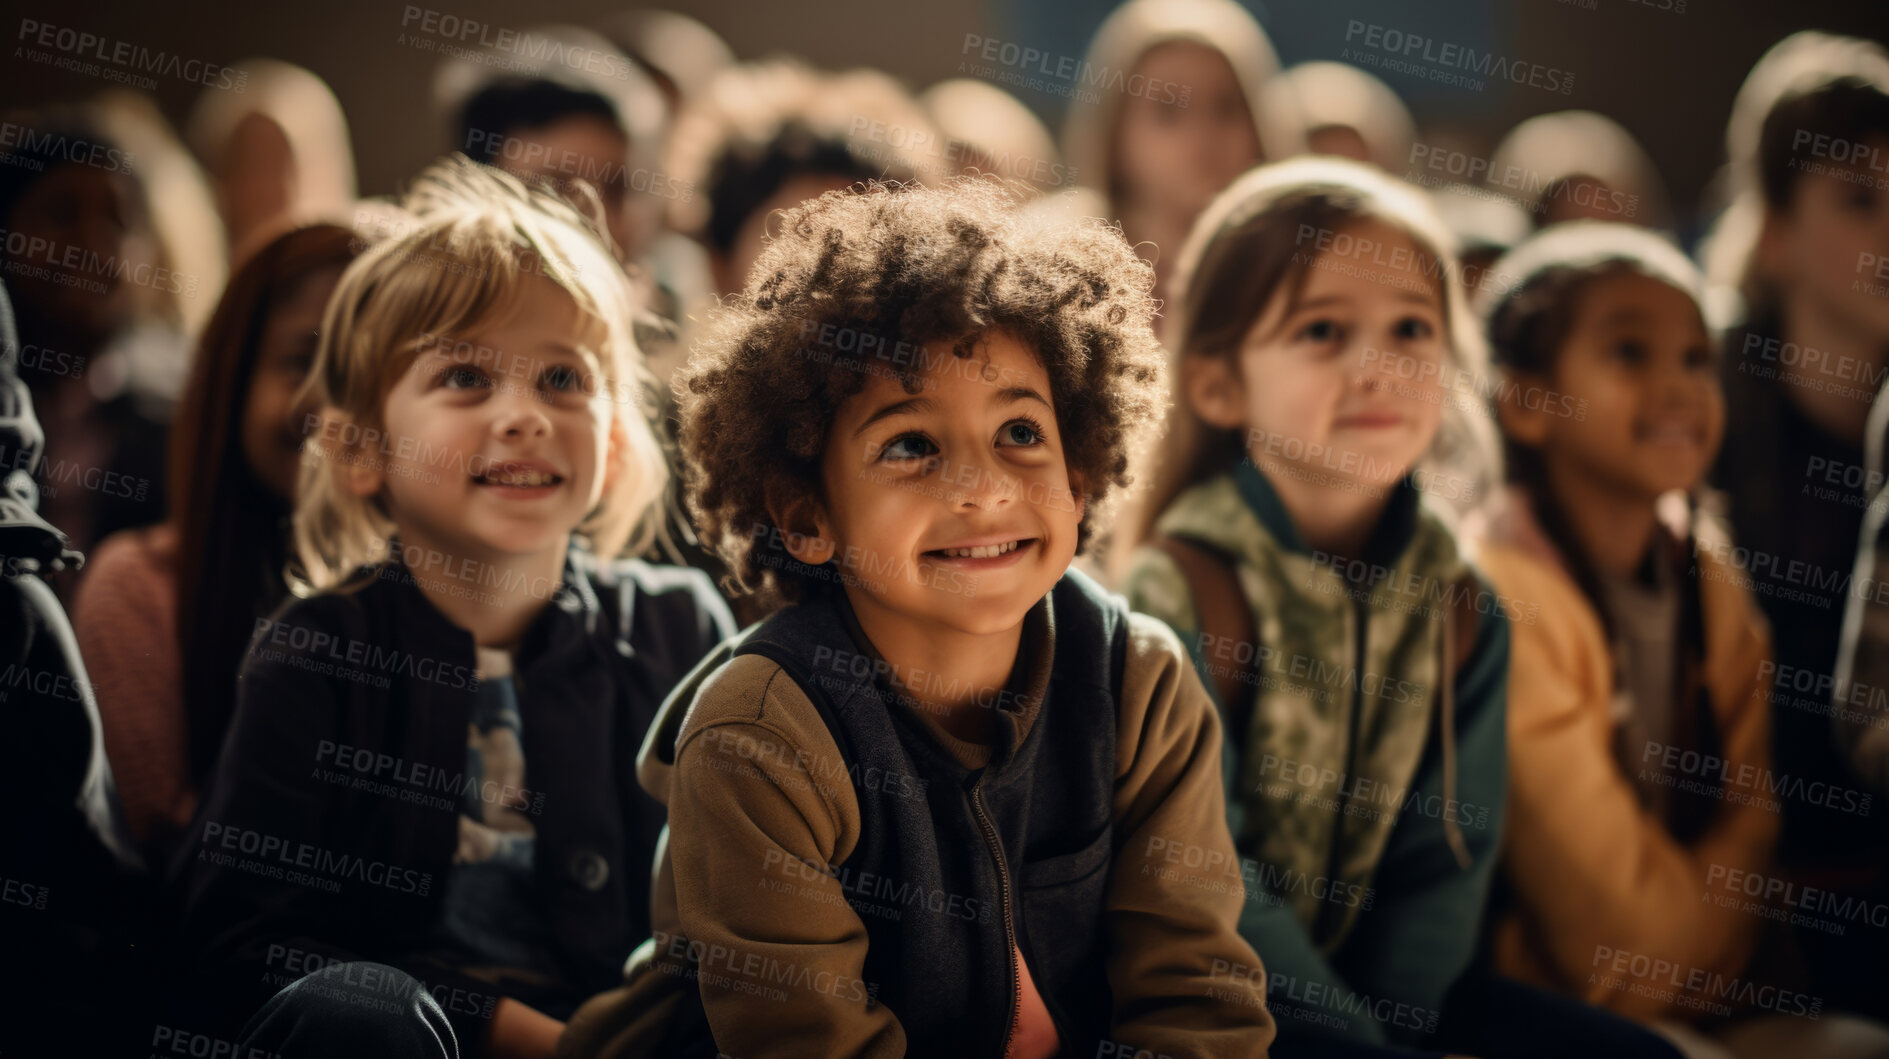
column 752, row 801
column 1609, row 906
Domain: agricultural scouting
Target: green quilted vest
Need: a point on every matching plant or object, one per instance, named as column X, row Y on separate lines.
column 1348, row 675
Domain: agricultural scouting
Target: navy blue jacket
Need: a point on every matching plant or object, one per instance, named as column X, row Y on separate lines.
column 330, row 824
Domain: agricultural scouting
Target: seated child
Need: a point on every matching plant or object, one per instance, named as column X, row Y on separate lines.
column 431, row 764
column 955, row 799
column 165, row 614
column 1643, row 799
column 1301, row 540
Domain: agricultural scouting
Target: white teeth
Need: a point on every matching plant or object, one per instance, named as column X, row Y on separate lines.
column 526, row 478
column 988, row 551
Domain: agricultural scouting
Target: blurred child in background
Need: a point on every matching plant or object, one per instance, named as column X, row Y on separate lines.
column 277, row 151
column 1646, row 652
column 163, row 614
column 988, row 131
column 1345, row 112
column 591, row 131
column 1576, row 164
column 1176, row 113
column 1803, row 364
column 84, row 265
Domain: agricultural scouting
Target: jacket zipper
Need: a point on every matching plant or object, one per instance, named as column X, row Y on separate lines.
column 1329, row 909
column 1010, row 927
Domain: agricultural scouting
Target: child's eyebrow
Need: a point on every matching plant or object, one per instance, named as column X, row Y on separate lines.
column 580, row 353
column 1008, row 395
column 1019, row 393
column 910, row 404
column 1321, row 302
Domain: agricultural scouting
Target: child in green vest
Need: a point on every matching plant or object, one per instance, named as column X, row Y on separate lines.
column 1298, row 533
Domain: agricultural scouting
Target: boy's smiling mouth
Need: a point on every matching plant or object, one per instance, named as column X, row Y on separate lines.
column 1000, row 552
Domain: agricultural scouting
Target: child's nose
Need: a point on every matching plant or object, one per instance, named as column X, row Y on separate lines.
column 520, row 415
column 1370, row 367
column 981, row 484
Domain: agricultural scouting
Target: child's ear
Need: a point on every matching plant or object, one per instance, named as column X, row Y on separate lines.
column 617, row 452
column 1520, row 422
column 1215, row 391
column 804, row 524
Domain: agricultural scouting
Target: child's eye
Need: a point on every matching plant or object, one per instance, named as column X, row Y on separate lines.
column 1860, row 198
column 908, row 447
column 1318, row 331
column 1021, row 432
column 461, row 377
column 1414, row 327
column 561, row 377
column 1631, row 351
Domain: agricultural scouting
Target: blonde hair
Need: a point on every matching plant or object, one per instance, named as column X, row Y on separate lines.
column 1241, row 256
column 454, row 261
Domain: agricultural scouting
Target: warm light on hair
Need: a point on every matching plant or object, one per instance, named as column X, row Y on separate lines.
column 469, row 240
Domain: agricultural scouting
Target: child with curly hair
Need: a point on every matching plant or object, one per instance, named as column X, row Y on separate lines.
column 954, row 796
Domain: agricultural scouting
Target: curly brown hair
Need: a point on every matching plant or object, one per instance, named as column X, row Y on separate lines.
column 869, row 275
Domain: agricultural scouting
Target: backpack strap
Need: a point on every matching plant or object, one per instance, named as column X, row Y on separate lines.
column 1213, row 580
column 1467, row 621
column 1460, row 626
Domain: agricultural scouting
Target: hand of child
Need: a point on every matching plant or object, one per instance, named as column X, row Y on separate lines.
column 520, row 1031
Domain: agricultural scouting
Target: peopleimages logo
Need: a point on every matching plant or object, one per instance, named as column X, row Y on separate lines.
column 76, row 150
column 1445, row 61
column 444, row 33
column 119, row 60
column 302, row 862
column 1025, row 67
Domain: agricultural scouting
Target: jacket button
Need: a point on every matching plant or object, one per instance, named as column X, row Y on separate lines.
column 589, row 870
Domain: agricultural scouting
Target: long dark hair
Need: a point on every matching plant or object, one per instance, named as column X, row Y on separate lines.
column 1809, row 90
column 1529, row 321
column 232, row 539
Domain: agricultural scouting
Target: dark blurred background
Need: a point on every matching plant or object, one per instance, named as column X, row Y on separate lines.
column 1667, row 75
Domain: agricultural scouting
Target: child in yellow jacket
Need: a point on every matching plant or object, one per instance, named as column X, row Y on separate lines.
column 1644, row 805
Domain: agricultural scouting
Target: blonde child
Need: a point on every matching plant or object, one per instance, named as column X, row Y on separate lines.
column 432, row 759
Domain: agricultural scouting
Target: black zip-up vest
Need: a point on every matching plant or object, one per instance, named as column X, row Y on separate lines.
column 947, row 870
